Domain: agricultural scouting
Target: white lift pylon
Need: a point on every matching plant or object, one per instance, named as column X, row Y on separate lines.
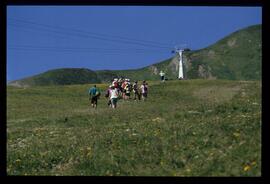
column 181, row 72
column 180, row 50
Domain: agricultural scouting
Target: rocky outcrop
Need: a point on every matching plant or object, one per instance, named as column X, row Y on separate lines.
column 154, row 69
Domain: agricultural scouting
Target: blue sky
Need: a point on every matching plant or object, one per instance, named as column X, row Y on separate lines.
column 40, row 38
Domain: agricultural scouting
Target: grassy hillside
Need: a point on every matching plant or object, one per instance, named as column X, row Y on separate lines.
column 186, row 128
column 63, row 76
column 236, row 57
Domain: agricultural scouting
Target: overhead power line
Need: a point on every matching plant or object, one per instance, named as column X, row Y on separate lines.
column 101, row 50
column 82, row 31
column 86, row 34
column 83, row 48
column 74, row 49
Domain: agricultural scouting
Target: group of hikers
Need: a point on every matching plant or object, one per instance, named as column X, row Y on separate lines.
column 119, row 89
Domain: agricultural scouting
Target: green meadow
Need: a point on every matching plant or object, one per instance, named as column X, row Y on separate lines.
column 185, row 128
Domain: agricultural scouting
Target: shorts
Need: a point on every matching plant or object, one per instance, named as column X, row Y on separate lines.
column 94, row 100
column 144, row 95
column 127, row 94
column 114, row 101
column 162, row 77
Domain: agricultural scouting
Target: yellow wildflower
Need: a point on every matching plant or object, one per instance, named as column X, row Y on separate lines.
column 89, row 152
column 247, row 167
column 236, row 134
column 161, row 163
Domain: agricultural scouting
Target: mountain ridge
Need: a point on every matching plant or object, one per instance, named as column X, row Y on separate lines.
column 235, row 57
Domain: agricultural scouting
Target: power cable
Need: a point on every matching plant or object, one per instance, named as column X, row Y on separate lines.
column 97, row 34
column 81, row 50
column 87, row 35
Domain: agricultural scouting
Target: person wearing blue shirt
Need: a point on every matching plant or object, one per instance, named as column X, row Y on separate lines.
column 94, row 93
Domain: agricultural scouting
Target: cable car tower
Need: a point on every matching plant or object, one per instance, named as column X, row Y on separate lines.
column 180, row 51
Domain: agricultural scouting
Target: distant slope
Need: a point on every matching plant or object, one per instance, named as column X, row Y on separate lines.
column 235, row 57
column 64, row 76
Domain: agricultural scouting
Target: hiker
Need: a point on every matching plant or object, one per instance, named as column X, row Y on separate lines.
column 144, row 90
column 120, row 89
column 162, row 75
column 94, row 93
column 107, row 95
column 136, row 91
column 113, row 96
column 124, row 89
column 127, row 90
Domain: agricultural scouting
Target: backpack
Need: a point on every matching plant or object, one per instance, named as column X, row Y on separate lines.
column 135, row 87
column 145, row 88
column 128, row 88
column 107, row 94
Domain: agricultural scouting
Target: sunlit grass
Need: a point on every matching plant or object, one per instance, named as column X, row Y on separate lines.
column 185, row 128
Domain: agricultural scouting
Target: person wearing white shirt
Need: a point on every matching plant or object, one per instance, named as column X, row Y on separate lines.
column 162, row 75
column 114, row 96
column 144, row 90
